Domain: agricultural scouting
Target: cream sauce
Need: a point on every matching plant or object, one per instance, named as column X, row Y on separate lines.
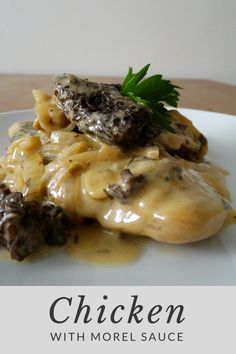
column 96, row 245
column 179, row 202
column 4, row 255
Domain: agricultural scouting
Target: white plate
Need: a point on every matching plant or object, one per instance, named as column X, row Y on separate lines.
column 210, row 262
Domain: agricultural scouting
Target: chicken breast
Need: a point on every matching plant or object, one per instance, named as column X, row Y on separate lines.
column 165, row 199
column 179, row 209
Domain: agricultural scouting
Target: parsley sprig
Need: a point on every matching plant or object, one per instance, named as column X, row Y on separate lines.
column 152, row 92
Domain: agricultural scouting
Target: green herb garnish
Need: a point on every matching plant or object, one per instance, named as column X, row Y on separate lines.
column 152, row 92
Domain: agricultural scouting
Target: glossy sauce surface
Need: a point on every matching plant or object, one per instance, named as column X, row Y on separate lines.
column 95, row 245
column 179, row 202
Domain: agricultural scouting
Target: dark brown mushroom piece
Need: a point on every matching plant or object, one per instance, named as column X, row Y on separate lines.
column 100, row 109
column 25, row 225
column 129, row 185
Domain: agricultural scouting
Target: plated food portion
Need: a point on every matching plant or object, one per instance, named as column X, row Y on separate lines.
column 108, row 160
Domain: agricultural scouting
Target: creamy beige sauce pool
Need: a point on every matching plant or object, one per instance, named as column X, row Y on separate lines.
column 93, row 244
